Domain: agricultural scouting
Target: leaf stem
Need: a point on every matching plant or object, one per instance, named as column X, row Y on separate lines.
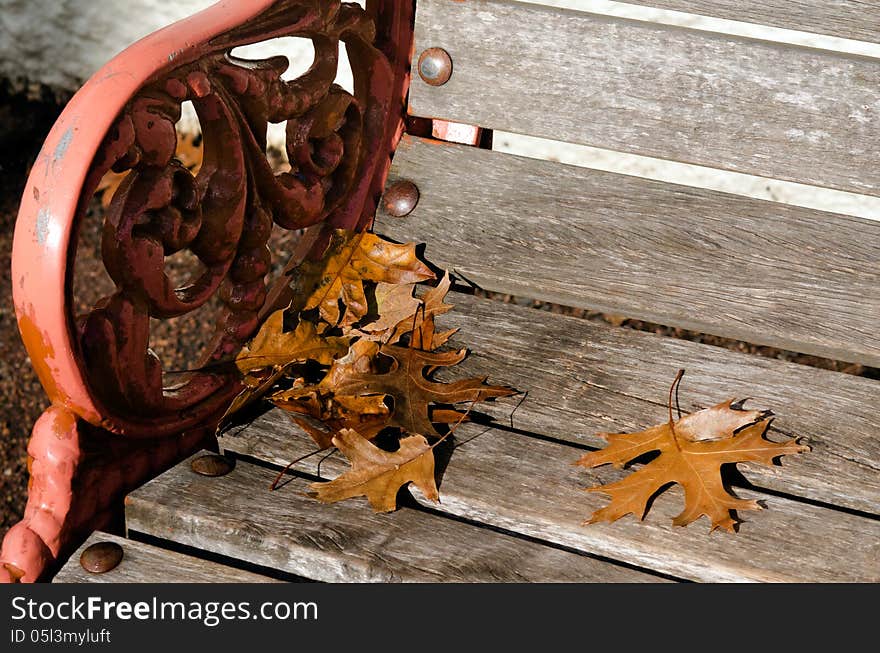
column 673, row 389
column 463, row 417
column 289, row 465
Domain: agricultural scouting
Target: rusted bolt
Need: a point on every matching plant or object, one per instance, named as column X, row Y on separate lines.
column 401, row 198
column 435, row 66
column 101, row 557
column 211, row 465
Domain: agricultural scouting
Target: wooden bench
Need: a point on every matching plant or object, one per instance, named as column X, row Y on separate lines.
column 512, row 506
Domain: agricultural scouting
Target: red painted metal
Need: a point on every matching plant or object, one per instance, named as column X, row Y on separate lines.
column 456, row 132
column 99, row 373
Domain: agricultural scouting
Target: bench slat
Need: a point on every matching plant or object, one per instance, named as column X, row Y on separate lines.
column 773, row 110
column 237, row 516
column 584, row 378
column 144, row 563
column 524, row 484
column 737, row 267
column 848, row 19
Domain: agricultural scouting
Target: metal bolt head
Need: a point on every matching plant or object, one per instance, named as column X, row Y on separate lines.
column 101, row 557
column 211, row 465
column 435, row 66
column 401, row 198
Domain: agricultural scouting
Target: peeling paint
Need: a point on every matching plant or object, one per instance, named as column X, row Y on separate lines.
column 41, row 229
column 63, row 424
column 63, row 145
column 40, row 351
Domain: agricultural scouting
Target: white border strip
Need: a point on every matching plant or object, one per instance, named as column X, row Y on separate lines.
column 717, row 25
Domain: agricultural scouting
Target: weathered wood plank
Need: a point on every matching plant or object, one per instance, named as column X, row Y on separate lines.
column 237, row 516
column 530, row 486
column 144, row 563
column 760, row 271
column 773, row 110
column 584, row 378
column 848, row 19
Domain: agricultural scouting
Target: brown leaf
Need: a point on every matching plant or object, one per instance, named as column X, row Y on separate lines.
column 401, row 314
column 320, row 413
column 394, row 303
column 379, row 475
column 420, row 322
column 323, row 415
column 424, row 335
column 360, row 359
column 691, row 453
column 272, row 347
column 340, row 274
column 413, row 392
column 265, row 360
column 716, row 423
column 321, row 433
column 254, row 389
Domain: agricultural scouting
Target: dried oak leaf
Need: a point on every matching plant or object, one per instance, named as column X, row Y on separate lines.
column 320, row 413
column 339, row 275
column 264, row 361
column 420, row 322
column 273, row 347
column 322, row 416
column 394, row 304
column 255, row 387
column 378, row 474
column 411, row 390
column 691, row 453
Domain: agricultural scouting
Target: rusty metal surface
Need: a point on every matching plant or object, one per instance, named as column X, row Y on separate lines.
column 435, row 66
column 101, row 557
column 98, row 369
column 400, row 198
column 212, row 465
column 224, row 214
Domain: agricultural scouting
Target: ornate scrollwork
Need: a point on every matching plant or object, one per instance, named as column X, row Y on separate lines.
column 225, row 213
column 98, row 371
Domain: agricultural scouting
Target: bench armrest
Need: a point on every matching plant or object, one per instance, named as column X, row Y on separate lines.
column 97, row 369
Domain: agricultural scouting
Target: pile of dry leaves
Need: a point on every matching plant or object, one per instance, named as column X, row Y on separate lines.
column 353, row 357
